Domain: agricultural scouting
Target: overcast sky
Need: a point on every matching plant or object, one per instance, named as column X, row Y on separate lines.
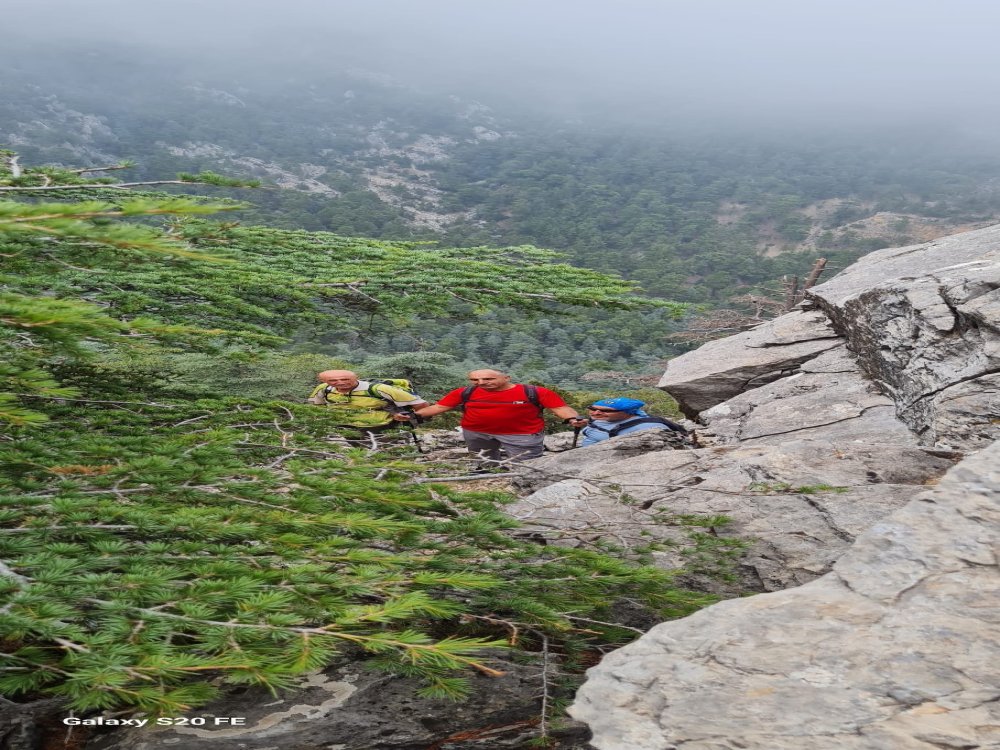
column 735, row 58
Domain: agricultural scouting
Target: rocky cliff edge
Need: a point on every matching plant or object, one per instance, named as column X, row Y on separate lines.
column 832, row 427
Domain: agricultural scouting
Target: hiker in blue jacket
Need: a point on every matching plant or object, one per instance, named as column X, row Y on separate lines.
column 611, row 417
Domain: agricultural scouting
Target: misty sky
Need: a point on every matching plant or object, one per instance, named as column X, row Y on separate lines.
column 740, row 58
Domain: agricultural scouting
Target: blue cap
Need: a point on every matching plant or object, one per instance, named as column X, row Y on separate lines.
column 628, row 405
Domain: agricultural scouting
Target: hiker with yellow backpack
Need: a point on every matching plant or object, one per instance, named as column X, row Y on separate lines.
column 369, row 406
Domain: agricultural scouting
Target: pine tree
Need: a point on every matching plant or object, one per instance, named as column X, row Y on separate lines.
column 152, row 538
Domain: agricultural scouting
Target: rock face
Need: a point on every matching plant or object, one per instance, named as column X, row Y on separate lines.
column 800, row 465
column 801, row 501
column 924, row 322
column 826, row 461
column 730, row 366
column 820, row 421
column 896, row 648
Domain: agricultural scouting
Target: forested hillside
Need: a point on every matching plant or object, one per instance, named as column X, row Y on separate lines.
column 699, row 216
column 167, row 520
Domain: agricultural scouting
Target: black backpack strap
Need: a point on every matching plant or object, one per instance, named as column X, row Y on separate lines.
column 466, row 395
column 531, row 393
column 592, row 426
column 614, row 431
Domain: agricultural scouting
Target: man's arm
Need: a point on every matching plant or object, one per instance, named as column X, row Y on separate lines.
column 568, row 412
column 553, row 402
column 419, row 409
column 430, row 411
column 417, row 405
column 449, row 401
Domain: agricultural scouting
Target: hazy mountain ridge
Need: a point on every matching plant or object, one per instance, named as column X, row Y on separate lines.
column 693, row 217
column 343, row 140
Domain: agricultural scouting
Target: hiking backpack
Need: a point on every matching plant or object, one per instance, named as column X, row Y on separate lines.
column 403, row 383
column 372, row 391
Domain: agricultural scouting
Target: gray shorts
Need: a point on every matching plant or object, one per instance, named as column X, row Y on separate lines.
column 492, row 447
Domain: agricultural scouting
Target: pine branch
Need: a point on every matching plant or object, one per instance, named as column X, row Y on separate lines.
column 61, row 262
column 544, row 714
column 10, row 573
column 370, row 641
column 30, row 529
column 576, row 618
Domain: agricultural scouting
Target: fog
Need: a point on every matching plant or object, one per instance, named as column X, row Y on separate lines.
column 767, row 61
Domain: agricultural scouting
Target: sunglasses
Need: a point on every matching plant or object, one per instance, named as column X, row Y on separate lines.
column 606, row 411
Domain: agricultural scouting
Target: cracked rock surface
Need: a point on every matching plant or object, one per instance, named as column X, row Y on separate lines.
column 828, row 398
column 897, row 647
column 924, row 323
column 801, row 502
column 882, row 628
column 721, row 369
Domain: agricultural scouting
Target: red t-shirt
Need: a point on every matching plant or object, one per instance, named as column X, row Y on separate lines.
column 503, row 412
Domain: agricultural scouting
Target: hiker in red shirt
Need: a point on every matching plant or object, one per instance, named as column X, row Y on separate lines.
column 500, row 417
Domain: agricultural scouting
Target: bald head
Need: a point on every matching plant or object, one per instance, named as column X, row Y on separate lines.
column 343, row 380
column 490, row 380
column 487, row 372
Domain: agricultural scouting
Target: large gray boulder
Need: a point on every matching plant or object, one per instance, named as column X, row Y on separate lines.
column 896, row 648
column 924, row 324
column 722, row 369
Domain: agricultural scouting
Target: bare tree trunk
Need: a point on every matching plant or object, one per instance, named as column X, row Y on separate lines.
column 815, row 273
column 811, row 279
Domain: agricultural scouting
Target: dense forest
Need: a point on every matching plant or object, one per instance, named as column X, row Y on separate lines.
column 702, row 217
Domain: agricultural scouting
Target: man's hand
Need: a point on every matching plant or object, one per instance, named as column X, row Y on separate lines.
column 577, row 421
column 402, row 417
column 426, row 412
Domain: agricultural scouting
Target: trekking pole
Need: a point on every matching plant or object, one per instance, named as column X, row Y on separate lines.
column 413, row 420
column 576, row 435
column 416, row 440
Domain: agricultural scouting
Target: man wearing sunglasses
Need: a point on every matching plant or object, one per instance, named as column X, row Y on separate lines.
column 611, row 417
